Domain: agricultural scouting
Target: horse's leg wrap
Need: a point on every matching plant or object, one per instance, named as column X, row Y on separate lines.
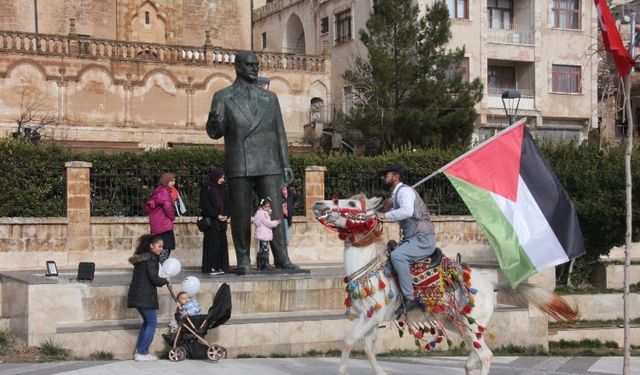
column 483, row 354
column 471, row 363
column 363, row 326
column 370, row 350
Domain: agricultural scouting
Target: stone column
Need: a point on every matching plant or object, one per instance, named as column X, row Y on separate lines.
column 313, row 188
column 62, row 95
column 78, row 206
column 190, row 92
column 128, row 93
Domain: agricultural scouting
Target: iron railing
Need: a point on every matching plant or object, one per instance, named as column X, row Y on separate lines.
column 438, row 193
column 124, row 192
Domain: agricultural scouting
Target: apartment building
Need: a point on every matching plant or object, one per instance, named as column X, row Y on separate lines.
column 543, row 49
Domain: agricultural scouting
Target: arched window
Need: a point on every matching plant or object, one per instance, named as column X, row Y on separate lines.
column 317, row 110
column 294, row 36
column 147, row 25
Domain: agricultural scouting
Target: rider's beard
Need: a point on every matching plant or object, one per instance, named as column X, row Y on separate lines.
column 387, row 185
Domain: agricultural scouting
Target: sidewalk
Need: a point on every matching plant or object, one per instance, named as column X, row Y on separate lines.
column 322, row 366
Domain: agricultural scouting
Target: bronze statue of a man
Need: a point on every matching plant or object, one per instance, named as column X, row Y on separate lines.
column 256, row 155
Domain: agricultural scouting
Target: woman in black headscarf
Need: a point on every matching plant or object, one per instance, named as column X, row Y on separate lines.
column 213, row 203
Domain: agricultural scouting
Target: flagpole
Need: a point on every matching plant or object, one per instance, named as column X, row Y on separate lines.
column 517, row 123
column 626, row 363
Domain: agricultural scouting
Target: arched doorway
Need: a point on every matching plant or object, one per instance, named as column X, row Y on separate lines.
column 294, row 36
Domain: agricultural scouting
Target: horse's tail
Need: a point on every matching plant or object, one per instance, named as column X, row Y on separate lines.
column 549, row 302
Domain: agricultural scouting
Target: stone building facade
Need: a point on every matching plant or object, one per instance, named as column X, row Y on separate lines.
column 133, row 74
column 176, row 22
column 543, row 49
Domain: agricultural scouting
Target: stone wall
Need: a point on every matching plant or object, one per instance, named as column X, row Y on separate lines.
column 140, row 95
column 27, row 243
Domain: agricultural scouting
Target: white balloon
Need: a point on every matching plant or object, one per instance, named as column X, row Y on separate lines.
column 170, row 267
column 191, row 285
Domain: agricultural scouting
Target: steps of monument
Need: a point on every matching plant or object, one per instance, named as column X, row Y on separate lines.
column 254, row 318
column 106, row 297
column 134, row 323
column 266, row 334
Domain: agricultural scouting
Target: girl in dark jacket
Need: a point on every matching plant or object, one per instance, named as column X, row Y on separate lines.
column 143, row 294
column 213, row 199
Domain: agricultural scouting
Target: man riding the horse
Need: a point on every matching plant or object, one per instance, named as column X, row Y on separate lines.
column 418, row 235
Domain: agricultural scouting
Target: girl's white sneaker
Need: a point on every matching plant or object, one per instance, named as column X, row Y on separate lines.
column 144, row 357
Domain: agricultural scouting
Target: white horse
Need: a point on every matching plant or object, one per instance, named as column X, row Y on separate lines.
column 376, row 298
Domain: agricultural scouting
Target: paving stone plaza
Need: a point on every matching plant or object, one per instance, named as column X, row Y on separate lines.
column 321, row 366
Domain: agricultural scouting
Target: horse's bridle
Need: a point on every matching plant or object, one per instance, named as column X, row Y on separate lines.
column 357, row 221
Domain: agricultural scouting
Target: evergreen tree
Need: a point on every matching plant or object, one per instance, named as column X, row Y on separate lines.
column 410, row 90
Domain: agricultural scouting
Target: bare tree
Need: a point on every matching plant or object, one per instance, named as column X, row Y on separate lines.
column 34, row 120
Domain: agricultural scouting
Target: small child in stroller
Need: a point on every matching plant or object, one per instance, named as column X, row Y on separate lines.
column 188, row 341
column 187, row 306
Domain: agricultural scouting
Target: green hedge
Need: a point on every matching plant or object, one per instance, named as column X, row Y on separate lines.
column 34, row 183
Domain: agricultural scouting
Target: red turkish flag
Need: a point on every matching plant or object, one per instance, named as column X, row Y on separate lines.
column 612, row 41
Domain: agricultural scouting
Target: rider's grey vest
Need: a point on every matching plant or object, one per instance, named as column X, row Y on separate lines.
column 420, row 221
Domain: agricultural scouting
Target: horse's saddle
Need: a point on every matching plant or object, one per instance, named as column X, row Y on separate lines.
column 430, row 261
column 435, row 277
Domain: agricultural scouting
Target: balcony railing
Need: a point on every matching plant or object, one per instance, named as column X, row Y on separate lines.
column 517, row 34
column 527, row 97
column 524, row 93
column 87, row 47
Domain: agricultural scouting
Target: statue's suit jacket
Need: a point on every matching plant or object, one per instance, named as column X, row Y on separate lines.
column 254, row 144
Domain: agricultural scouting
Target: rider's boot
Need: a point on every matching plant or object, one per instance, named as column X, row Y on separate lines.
column 407, row 305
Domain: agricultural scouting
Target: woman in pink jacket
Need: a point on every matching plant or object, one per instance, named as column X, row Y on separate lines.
column 264, row 233
column 162, row 213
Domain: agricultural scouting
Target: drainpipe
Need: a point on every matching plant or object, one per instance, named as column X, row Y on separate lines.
column 251, row 36
column 35, row 13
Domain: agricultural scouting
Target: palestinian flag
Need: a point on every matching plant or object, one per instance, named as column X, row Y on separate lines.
column 519, row 203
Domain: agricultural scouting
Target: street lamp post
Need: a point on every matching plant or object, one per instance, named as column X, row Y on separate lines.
column 510, row 103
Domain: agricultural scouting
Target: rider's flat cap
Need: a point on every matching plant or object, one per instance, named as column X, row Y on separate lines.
column 393, row 167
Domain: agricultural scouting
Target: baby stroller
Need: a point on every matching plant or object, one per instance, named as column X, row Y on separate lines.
column 188, row 340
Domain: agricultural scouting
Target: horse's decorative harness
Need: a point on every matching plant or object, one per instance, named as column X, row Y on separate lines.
column 362, row 230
